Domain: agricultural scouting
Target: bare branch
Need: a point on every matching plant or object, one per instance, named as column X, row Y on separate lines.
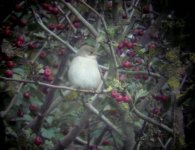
column 88, row 25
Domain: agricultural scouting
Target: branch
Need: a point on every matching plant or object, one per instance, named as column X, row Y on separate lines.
column 37, row 122
column 40, row 22
column 78, row 128
column 105, row 119
column 150, row 120
column 54, row 86
column 88, row 25
column 141, row 72
column 14, row 99
column 134, row 3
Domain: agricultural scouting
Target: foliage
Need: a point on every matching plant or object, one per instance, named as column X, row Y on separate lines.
column 39, row 41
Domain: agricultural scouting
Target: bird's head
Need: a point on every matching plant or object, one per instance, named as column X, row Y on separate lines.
column 86, row 50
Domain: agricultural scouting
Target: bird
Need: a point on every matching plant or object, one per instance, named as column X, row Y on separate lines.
column 83, row 70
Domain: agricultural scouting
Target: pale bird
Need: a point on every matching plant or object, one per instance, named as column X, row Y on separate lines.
column 83, row 70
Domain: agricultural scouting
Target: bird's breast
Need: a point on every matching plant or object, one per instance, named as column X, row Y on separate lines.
column 84, row 72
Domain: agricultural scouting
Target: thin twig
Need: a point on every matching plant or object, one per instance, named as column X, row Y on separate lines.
column 40, row 22
column 150, row 120
column 104, row 118
column 53, row 86
column 88, row 25
column 14, row 99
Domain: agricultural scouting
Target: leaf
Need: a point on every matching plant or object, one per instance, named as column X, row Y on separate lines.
column 89, row 41
column 173, row 82
column 19, row 71
column 100, row 38
column 141, row 93
column 48, row 133
column 27, row 117
column 49, row 120
column 40, row 35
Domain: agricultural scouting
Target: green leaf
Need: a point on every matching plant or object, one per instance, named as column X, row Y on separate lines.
column 49, row 120
column 90, row 41
column 141, row 93
column 27, row 117
column 19, row 71
column 48, row 133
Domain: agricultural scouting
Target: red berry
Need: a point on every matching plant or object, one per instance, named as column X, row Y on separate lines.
column 48, row 78
column 45, row 6
column 155, row 111
column 19, row 44
column 38, row 140
column 52, row 26
column 20, row 41
column 135, row 68
column 42, row 55
column 139, row 61
column 151, row 46
column 109, row 5
column 19, row 7
column 119, row 98
column 33, row 107
column 126, row 64
column 10, row 64
column 131, row 53
column 26, row 95
column 67, row 27
column 121, row 45
column 76, row 24
column 31, row 45
column 144, row 77
column 124, row 16
column 23, row 23
column 114, row 94
column 55, row 11
column 7, row 31
column 20, row 38
column 20, row 113
column 161, row 98
column 47, row 72
column 106, row 142
column 61, row 52
column 126, row 99
column 8, row 73
column 146, row 9
column 129, row 45
column 122, row 77
column 60, row 26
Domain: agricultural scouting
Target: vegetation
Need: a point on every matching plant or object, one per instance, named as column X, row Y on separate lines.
column 146, row 76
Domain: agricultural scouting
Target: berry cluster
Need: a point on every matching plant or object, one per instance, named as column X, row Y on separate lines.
column 120, row 97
